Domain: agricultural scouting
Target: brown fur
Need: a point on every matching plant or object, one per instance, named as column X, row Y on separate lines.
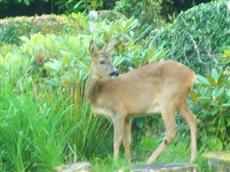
column 159, row 87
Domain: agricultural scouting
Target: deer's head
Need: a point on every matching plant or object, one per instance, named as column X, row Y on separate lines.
column 102, row 64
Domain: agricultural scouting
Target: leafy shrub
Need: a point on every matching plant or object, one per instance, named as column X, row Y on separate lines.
column 197, row 36
column 66, row 56
column 12, row 28
column 170, row 8
column 147, row 11
column 212, row 105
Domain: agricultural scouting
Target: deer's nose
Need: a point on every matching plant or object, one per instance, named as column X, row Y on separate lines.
column 114, row 73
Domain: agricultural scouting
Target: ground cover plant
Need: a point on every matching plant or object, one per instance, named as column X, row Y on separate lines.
column 45, row 118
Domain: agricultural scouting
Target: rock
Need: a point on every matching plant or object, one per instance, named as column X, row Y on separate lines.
column 76, row 167
column 219, row 161
column 173, row 167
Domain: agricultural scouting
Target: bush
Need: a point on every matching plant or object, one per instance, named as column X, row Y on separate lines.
column 197, row 36
column 174, row 7
column 212, row 105
column 146, row 11
column 12, row 28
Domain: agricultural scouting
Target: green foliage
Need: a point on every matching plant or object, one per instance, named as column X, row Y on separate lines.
column 66, row 56
column 78, row 5
column 197, row 36
column 29, row 136
column 26, row 2
column 41, row 127
column 174, row 7
column 212, row 105
column 12, row 28
column 147, row 11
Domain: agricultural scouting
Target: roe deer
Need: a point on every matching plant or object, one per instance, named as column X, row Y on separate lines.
column 160, row 87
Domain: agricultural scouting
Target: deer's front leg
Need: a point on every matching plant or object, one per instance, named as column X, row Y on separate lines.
column 118, row 123
column 127, row 139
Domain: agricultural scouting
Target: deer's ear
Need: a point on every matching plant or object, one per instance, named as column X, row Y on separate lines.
column 93, row 49
column 107, row 48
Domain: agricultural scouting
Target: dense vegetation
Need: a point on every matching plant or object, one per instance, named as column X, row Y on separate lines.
column 129, row 7
column 45, row 117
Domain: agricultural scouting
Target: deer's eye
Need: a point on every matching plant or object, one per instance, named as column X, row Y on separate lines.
column 102, row 62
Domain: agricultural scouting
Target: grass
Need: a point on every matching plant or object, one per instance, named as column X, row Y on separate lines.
column 32, row 134
column 41, row 128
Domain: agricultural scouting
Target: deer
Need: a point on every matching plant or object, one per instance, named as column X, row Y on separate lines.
column 160, row 87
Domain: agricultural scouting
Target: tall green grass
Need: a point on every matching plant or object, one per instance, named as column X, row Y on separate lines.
column 41, row 129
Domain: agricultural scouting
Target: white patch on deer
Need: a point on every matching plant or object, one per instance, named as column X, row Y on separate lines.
column 154, row 108
column 103, row 111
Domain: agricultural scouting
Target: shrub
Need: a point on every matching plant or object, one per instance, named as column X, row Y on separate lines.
column 212, row 105
column 170, row 7
column 12, row 28
column 146, row 11
column 196, row 36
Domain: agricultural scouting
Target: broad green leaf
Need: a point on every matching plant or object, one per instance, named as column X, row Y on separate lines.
column 217, row 92
column 204, row 100
column 193, row 96
column 228, row 93
column 226, row 105
column 201, row 80
column 150, row 53
column 215, row 143
column 221, row 79
column 211, row 80
column 215, row 74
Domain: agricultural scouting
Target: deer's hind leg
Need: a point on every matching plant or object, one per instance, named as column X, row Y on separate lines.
column 191, row 121
column 168, row 116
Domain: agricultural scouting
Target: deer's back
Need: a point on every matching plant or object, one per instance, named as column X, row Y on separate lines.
column 145, row 87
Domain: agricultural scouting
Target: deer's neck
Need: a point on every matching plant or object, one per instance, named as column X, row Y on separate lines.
column 93, row 86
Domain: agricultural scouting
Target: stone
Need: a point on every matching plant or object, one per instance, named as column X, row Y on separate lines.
column 172, row 167
column 76, row 167
column 218, row 161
